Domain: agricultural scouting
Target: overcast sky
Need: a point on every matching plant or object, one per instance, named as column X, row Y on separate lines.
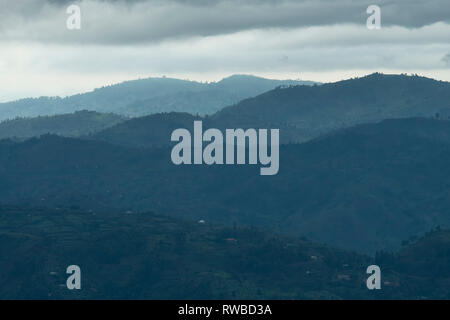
column 205, row 40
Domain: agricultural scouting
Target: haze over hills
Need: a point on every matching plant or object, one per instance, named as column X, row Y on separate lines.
column 363, row 176
column 300, row 112
column 364, row 188
column 70, row 125
column 306, row 112
column 148, row 96
column 138, row 160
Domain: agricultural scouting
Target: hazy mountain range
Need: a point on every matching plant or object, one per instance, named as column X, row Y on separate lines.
column 149, row 96
column 300, row 112
column 69, row 125
column 363, row 167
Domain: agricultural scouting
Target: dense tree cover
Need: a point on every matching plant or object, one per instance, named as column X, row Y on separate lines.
column 365, row 188
column 149, row 131
column 148, row 96
column 69, row 125
column 304, row 112
column 124, row 255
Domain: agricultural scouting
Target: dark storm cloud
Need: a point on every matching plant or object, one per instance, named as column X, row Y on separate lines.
column 446, row 59
column 408, row 13
column 145, row 21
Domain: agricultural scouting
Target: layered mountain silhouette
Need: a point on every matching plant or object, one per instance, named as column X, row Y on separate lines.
column 363, row 168
column 148, row 96
column 303, row 113
column 364, row 188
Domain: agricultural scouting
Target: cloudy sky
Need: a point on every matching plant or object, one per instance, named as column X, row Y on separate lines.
column 206, row 40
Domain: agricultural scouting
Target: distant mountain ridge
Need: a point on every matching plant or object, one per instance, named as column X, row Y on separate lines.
column 68, row 125
column 303, row 113
column 306, row 112
column 300, row 112
column 148, row 96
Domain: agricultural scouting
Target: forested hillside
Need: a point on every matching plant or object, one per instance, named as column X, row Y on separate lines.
column 126, row 255
column 364, row 188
